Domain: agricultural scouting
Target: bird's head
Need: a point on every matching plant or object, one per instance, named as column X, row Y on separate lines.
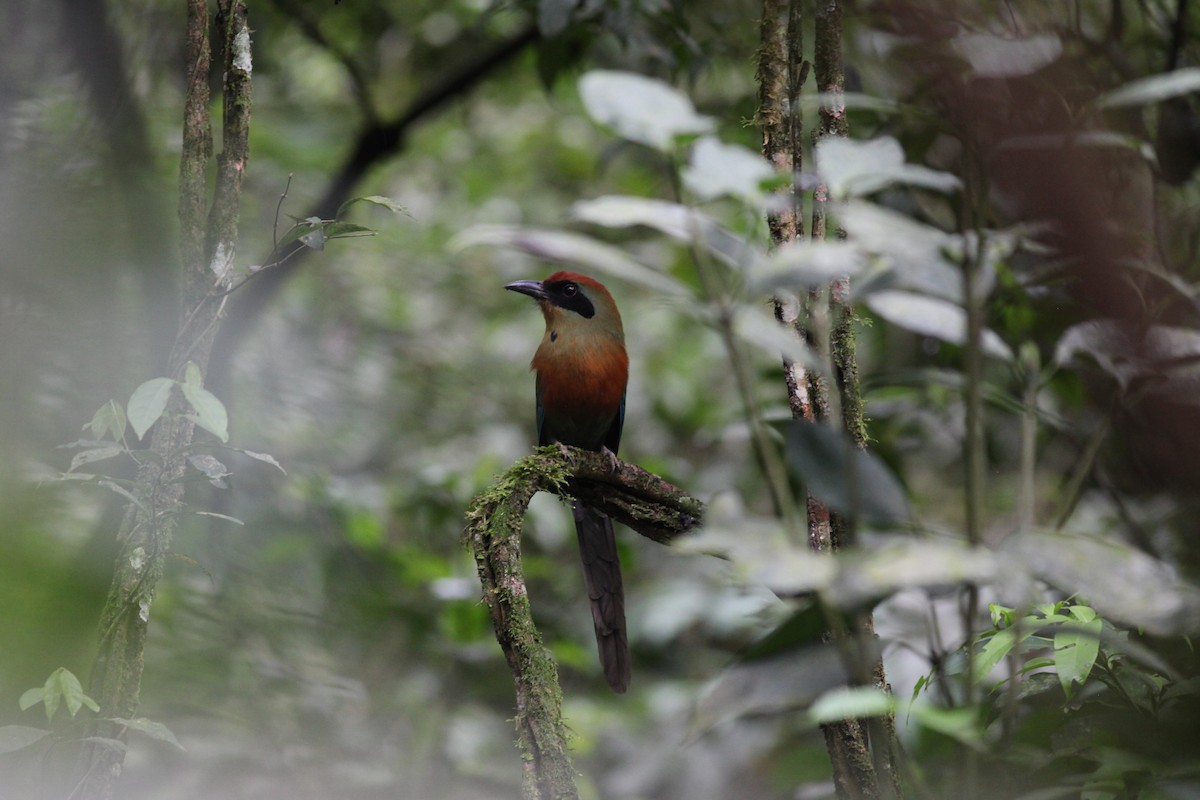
column 573, row 303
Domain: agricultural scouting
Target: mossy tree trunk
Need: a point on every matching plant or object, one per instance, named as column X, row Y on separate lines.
column 209, row 235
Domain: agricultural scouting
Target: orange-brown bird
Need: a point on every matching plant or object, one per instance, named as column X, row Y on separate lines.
column 582, row 370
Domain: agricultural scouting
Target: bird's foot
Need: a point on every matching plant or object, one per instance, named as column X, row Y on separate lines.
column 566, row 454
column 614, row 463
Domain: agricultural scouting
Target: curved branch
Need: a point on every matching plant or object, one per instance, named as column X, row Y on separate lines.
column 629, row 494
column 376, row 141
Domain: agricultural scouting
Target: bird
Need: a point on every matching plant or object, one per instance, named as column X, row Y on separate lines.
column 581, row 372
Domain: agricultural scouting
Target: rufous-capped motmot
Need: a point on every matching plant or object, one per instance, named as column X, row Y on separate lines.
column 582, row 369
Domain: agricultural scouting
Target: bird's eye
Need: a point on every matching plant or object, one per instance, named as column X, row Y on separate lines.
column 570, row 290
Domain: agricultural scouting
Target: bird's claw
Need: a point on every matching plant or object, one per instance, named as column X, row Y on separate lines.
column 614, row 464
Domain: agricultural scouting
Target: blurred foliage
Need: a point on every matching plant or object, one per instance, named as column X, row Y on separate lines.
column 334, row 644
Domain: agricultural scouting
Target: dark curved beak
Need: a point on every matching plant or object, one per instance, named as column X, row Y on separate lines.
column 532, row 288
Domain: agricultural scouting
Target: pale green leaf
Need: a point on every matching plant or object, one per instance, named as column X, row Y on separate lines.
column 264, row 457
column 641, row 109
column 155, row 730
column 851, row 702
column 192, row 376
column 1076, row 648
column 31, row 697
column 930, row 316
column 993, row 56
column 854, row 168
column 1154, row 89
column 108, row 419
column 147, row 404
column 716, row 169
column 113, row 486
column 210, row 412
column 97, row 454
column 961, row 723
column 18, row 737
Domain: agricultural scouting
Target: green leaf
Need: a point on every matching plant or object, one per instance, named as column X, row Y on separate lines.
column 640, row 109
column 1153, row 89
column 801, row 265
column 113, row 486
column 961, row 724
column 264, row 457
column 300, row 227
column 192, row 376
column 716, row 169
column 853, row 168
column 31, row 697
column 780, row 684
column 1076, row 648
column 993, row 56
column 210, row 412
column 213, row 469
column 848, row 479
column 63, row 687
column 155, row 730
column 1123, row 583
column 866, row 576
column 930, row 316
column 851, row 702
column 375, row 199
column 94, row 455
column 109, row 418
column 18, row 737
column 998, row 645
column 677, row 221
column 225, row 517
column 918, row 256
column 345, row 230
column 147, row 404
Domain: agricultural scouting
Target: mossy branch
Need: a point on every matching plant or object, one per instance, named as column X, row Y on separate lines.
column 631, row 496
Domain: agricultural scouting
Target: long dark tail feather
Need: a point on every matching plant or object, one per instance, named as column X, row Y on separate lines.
column 602, row 573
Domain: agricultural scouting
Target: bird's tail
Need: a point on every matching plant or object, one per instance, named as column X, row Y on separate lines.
column 602, row 573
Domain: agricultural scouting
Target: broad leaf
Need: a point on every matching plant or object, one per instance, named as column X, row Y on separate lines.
column 375, row 199
column 1122, row 583
column 97, row 454
column 18, row 737
column 922, row 257
column 1076, row 647
column 805, row 265
column 108, row 419
column 783, row 683
column 853, row 168
column 677, row 221
column 930, row 316
column 264, row 457
column 147, row 404
column 155, row 730
column 846, row 478
column 640, row 109
column 716, row 169
column 210, row 412
column 213, row 469
column 1153, row 89
column 1002, row 57
column 851, row 702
